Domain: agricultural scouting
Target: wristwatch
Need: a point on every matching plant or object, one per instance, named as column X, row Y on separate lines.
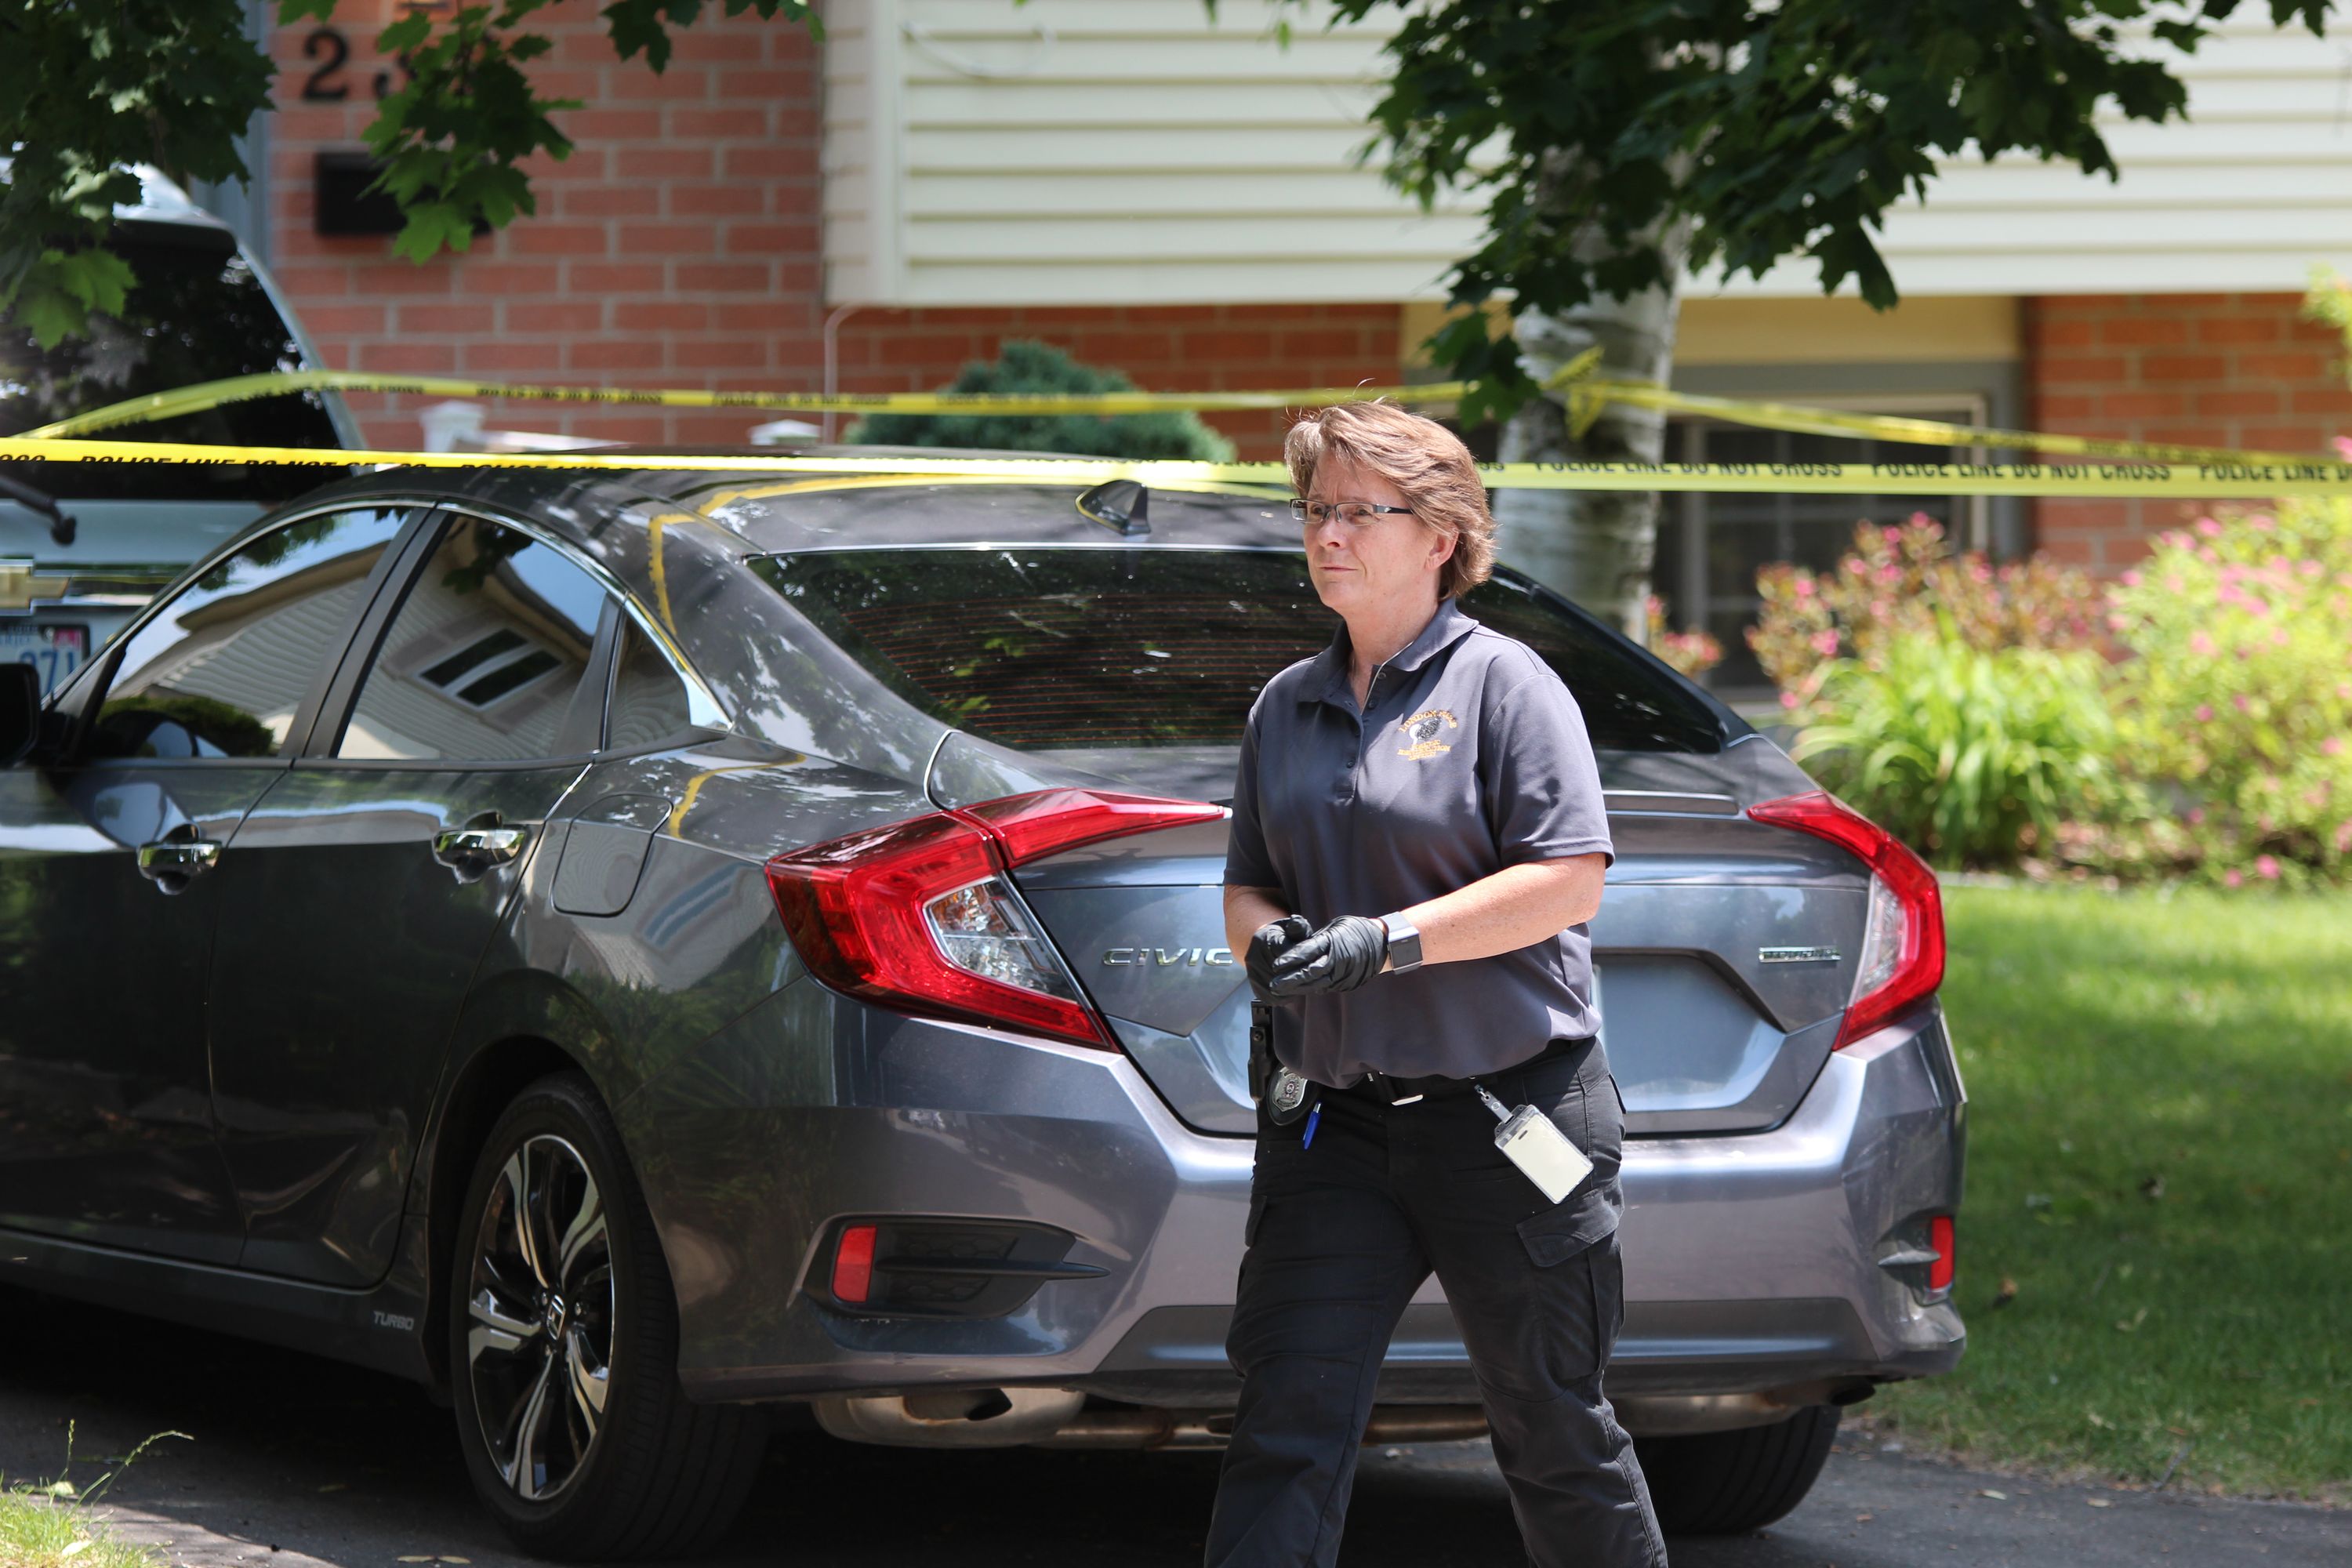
column 1404, row 946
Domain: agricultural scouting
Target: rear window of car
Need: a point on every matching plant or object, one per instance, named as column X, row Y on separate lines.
column 1059, row 648
column 197, row 312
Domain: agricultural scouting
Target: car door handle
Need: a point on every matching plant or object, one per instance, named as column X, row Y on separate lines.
column 473, row 848
column 172, row 863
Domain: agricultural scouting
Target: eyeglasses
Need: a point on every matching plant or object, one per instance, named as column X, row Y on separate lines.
column 1354, row 513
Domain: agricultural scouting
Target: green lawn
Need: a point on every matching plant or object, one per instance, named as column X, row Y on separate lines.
column 2160, row 1158
column 41, row 1531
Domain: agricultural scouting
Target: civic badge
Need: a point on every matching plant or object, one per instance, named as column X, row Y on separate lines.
column 1422, row 729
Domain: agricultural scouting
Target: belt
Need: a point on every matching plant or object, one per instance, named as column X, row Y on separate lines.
column 1384, row 1088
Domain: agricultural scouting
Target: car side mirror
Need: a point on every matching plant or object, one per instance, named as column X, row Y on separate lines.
column 20, row 712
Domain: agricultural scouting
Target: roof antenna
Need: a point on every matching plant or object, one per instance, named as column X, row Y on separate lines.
column 1123, row 505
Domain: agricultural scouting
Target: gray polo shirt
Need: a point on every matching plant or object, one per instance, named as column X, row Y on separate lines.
column 1470, row 757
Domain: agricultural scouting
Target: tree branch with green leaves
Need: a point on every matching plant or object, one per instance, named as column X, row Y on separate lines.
column 89, row 92
column 1607, row 135
column 1619, row 145
column 1597, row 128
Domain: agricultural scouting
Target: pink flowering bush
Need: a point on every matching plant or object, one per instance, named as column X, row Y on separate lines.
column 1691, row 653
column 1905, row 582
column 2234, row 708
column 1956, row 702
column 2195, row 720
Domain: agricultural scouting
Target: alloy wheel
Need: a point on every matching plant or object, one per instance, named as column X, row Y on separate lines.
column 539, row 1345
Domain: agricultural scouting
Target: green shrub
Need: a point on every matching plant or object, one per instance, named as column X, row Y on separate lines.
column 2235, row 711
column 1975, row 711
column 1972, row 756
column 1022, row 366
column 2330, row 302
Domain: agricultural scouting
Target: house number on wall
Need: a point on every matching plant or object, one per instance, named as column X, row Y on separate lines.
column 332, row 50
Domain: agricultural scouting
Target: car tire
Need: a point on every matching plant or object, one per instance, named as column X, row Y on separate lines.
column 563, row 1348
column 1721, row 1483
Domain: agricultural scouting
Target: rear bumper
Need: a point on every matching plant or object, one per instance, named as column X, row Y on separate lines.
column 1750, row 1259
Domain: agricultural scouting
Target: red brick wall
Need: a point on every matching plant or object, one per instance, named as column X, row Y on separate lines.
column 1162, row 348
column 679, row 245
column 2233, row 370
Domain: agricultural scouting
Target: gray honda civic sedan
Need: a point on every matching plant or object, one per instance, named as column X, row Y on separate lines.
column 634, row 949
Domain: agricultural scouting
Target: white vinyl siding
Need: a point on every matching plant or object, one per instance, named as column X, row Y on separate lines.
column 260, row 662
column 400, row 714
column 2244, row 196
column 1128, row 153
column 1086, row 152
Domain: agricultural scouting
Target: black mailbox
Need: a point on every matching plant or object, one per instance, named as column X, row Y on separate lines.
column 345, row 204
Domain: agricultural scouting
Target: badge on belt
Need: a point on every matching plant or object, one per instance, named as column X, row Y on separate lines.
column 1286, row 1096
column 1287, row 1093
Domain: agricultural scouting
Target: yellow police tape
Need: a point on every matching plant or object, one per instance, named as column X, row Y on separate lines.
column 1799, row 419
column 1585, row 394
column 2185, row 482
column 207, row 395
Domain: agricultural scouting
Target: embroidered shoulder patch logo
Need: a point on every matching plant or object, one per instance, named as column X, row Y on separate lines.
column 1422, row 729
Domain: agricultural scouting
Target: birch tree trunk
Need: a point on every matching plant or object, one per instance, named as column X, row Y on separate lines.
column 1595, row 546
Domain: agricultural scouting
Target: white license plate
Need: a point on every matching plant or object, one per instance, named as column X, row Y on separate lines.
column 56, row 651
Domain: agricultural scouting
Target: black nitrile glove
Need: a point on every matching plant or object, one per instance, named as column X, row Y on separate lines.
column 1340, row 957
column 1265, row 944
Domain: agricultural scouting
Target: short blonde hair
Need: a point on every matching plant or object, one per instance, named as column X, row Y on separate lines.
column 1423, row 459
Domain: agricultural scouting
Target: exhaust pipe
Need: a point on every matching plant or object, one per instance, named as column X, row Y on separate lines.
column 1147, row 1429
column 1425, row 1424
column 951, row 1419
column 1058, row 1418
column 1688, row 1414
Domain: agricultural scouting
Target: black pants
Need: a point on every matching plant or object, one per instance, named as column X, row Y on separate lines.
column 1343, row 1232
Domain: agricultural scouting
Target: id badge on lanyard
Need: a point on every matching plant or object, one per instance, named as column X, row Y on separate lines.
column 1529, row 1141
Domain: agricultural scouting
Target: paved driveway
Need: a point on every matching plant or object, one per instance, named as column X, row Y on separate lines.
column 295, row 1461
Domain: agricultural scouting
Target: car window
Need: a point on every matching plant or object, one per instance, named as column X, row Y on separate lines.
column 221, row 669
column 197, row 311
column 485, row 657
column 649, row 696
column 1053, row 649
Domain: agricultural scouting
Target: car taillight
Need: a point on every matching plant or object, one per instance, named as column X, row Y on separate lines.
column 1941, row 1239
column 919, row 915
column 1903, row 941
column 1032, row 827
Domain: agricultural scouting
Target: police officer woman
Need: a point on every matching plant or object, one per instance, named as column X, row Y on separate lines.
column 1418, row 839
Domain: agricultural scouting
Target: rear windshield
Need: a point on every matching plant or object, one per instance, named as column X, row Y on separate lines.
column 1060, row 650
column 196, row 313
